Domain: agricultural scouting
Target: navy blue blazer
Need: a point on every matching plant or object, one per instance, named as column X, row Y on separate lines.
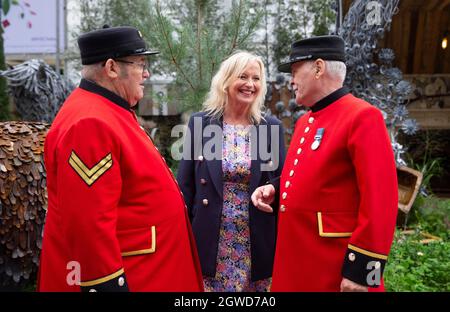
column 201, row 181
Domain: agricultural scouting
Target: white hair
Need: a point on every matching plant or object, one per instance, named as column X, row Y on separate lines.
column 91, row 71
column 336, row 69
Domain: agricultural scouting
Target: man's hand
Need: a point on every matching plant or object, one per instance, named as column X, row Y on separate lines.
column 263, row 196
column 349, row 286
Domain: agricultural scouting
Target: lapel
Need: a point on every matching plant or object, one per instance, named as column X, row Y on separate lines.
column 256, row 160
column 215, row 165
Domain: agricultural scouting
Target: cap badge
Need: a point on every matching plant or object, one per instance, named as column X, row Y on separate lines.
column 300, row 58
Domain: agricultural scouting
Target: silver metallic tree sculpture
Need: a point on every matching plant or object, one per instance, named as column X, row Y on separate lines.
column 38, row 91
column 380, row 84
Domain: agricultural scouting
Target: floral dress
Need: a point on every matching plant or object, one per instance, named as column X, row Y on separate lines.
column 233, row 258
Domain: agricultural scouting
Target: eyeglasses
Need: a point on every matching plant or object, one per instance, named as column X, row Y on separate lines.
column 144, row 66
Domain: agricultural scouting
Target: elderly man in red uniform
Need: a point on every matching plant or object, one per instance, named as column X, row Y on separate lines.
column 338, row 188
column 116, row 219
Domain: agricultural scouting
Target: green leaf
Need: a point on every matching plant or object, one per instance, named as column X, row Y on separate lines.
column 5, row 6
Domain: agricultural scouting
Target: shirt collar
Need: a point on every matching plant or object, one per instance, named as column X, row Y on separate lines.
column 97, row 89
column 329, row 99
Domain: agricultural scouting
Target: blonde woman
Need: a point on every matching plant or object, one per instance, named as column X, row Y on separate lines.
column 230, row 150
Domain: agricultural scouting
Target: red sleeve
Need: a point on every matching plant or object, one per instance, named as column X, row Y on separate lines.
column 373, row 159
column 89, row 186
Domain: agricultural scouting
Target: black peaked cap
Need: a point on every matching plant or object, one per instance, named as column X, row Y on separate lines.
column 111, row 42
column 331, row 48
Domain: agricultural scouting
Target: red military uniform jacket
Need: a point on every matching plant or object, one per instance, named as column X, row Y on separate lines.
column 338, row 198
column 116, row 219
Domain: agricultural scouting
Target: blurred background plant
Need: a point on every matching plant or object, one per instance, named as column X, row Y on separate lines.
column 426, row 154
column 371, row 74
column 417, row 263
column 419, row 258
column 194, row 37
column 415, row 266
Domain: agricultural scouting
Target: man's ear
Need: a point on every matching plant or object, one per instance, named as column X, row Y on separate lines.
column 319, row 67
column 112, row 69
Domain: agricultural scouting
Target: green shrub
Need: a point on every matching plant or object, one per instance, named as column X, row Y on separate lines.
column 433, row 215
column 414, row 266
